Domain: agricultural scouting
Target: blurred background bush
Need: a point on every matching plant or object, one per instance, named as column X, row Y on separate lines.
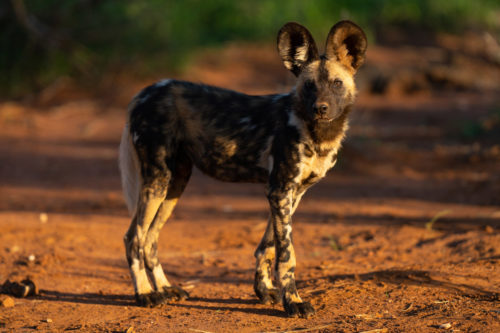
column 42, row 40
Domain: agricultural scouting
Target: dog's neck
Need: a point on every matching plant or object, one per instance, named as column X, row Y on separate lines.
column 321, row 132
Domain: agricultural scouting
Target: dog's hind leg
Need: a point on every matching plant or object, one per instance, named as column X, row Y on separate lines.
column 178, row 182
column 151, row 192
column 148, row 204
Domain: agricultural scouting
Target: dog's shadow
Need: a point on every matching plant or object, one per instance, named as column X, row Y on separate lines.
column 251, row 306
column 201, row 303
column 86, row 298
column 231, row 305
column 410, row 277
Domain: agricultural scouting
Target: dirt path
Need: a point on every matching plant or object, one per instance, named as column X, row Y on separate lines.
column 368, row 258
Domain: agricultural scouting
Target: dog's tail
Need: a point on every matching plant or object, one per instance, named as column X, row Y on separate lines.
column 129, row 170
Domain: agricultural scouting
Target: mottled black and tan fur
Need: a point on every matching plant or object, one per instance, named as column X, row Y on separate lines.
column 287, row 142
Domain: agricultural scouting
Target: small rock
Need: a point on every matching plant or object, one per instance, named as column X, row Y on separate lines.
column 44, row 217
column 48, row 320
column 77, row 327
column 408, row 307
column 6, row 302
column 445, row 326
column 31, row 257
column 130, row 330
column 14, row 249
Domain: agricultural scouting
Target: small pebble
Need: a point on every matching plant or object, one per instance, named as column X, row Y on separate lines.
column 48, row 320
column 44, row 217
column 6, row 302
column 14, row 249
column 445, row 326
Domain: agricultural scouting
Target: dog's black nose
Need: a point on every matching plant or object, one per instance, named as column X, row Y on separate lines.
column 321, row 108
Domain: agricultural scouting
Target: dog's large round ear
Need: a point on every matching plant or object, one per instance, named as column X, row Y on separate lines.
column 347, row 43
column 296, row 47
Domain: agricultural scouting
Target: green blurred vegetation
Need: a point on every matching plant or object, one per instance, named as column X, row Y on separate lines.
column 45, row 39
column 487, row 127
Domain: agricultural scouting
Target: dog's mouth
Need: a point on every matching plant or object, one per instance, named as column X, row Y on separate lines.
column 323, row 119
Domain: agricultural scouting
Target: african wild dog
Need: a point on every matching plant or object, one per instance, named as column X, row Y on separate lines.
column 286, row 141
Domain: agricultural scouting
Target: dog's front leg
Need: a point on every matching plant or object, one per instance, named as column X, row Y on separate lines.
column 281, row 202
column 265, row 254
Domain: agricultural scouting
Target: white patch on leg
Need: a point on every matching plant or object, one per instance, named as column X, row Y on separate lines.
column 159, row 278
column 288, row 231
column 140, row 278
column 150, row 210
column 263, row 265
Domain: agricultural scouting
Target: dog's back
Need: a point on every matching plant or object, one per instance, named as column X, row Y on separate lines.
column 228, row 135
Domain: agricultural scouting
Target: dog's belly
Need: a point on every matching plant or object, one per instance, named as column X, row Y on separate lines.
column 232, row 172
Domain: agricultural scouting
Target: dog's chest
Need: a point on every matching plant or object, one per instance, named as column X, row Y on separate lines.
column 314, row 164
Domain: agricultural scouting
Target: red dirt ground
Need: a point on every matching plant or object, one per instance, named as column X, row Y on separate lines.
column 369, row 258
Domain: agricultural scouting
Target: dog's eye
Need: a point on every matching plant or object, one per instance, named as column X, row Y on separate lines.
column 337, row 83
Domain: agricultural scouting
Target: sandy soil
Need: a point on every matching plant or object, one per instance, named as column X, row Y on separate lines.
column 402, row 236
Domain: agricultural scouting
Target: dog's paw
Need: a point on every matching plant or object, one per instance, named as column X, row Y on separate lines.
column 294, row 309
column 174, row 293
column 268, row 296
column 150, row 300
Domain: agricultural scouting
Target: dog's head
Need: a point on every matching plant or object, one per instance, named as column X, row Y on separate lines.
column 325, row 83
